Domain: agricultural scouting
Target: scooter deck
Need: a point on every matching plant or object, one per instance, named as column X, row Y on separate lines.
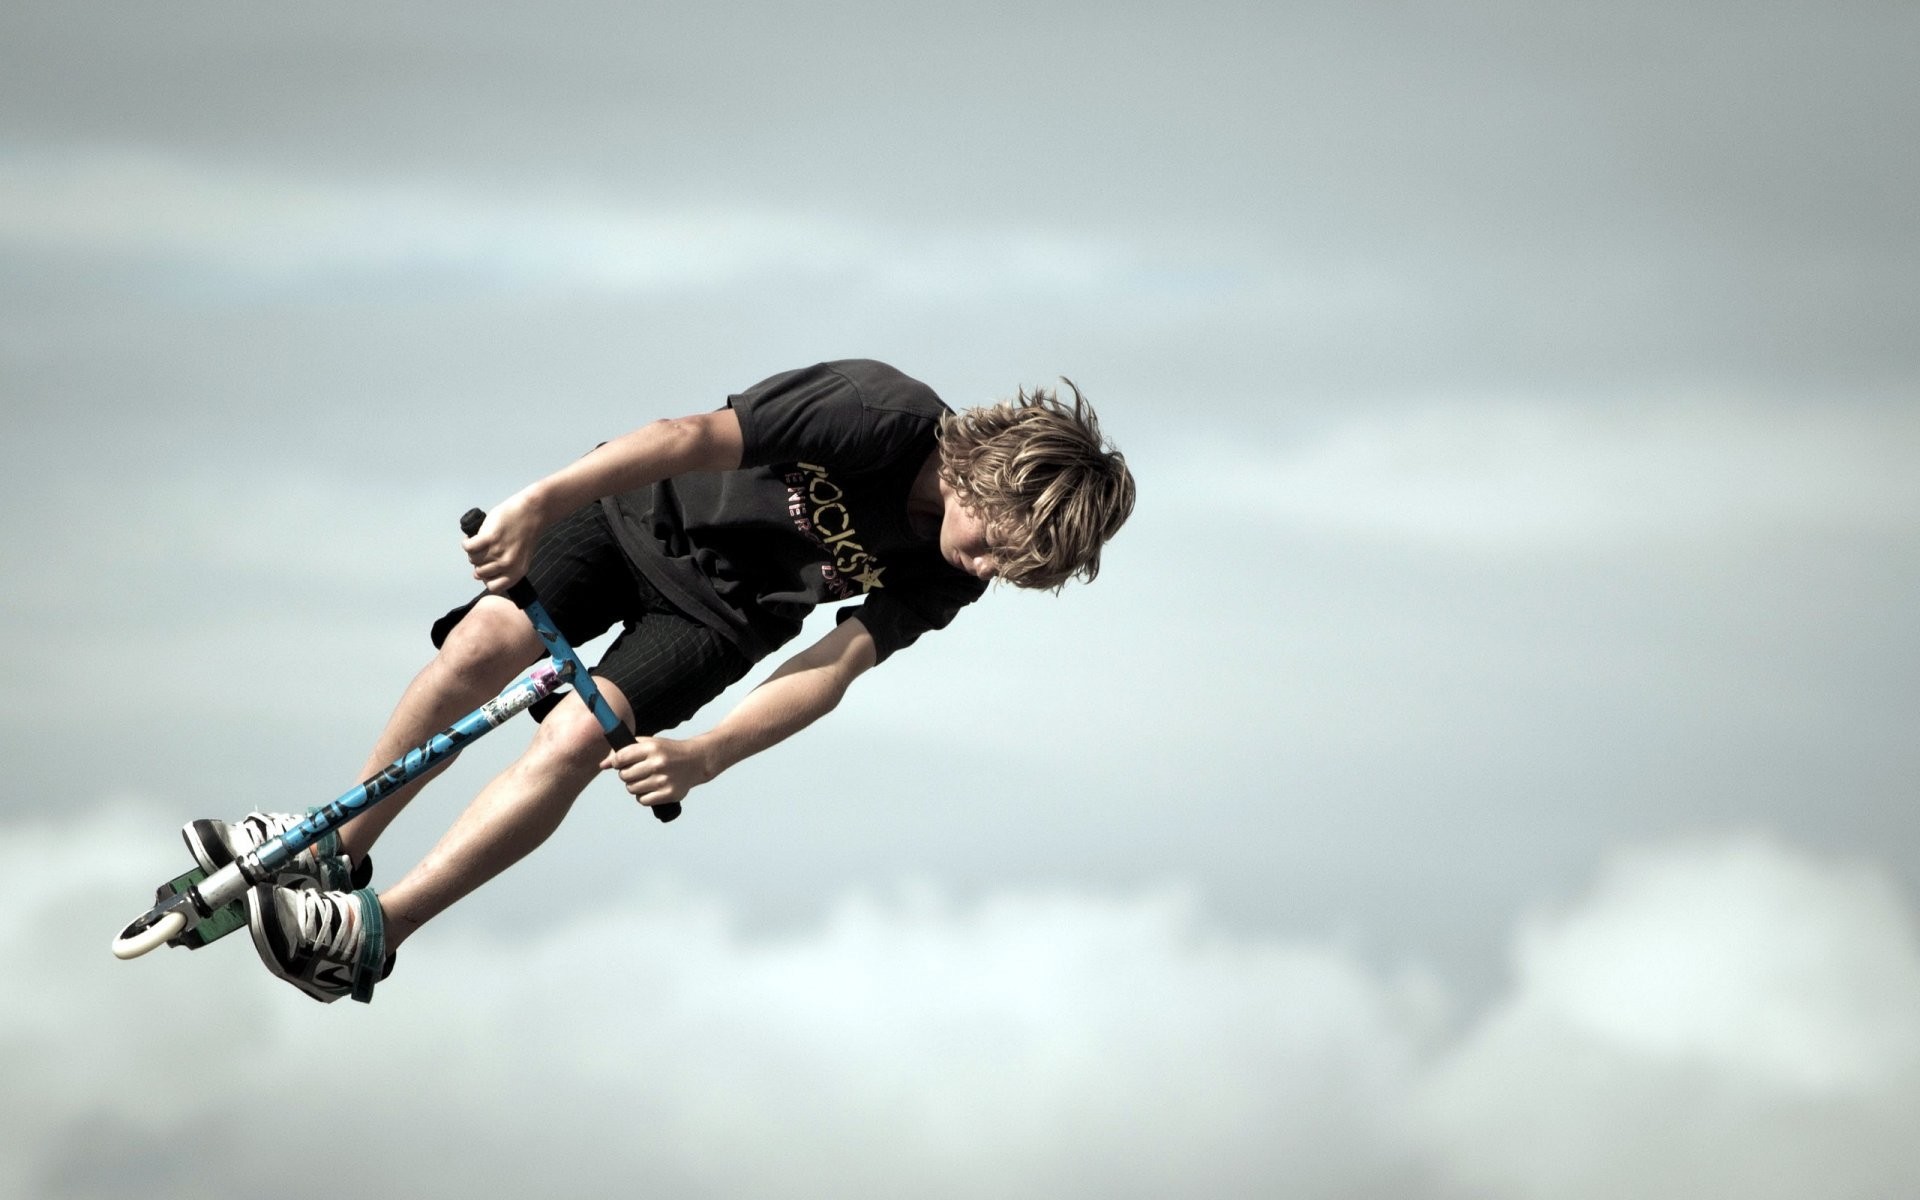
column 223, row 922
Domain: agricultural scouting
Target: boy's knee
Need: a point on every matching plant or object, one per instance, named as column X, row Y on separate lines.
column 569, row 736
column 493, row 642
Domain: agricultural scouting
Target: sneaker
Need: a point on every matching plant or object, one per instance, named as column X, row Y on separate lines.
column 214, row 844
column 327, row 944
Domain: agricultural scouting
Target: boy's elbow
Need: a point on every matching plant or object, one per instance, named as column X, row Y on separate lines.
column 706, row 442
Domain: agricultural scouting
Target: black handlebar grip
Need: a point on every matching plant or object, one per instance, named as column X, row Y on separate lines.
column 522, row 594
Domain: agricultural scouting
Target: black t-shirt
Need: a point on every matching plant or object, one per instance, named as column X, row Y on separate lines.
column 817, row 513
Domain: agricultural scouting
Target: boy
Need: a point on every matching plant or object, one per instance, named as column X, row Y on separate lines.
column 708, row 538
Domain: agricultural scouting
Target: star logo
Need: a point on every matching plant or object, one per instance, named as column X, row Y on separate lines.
column 869, row 579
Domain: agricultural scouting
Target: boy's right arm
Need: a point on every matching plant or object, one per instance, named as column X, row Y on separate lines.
column 503, row 548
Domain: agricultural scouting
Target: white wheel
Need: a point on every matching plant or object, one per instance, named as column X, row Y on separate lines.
column 132, row 945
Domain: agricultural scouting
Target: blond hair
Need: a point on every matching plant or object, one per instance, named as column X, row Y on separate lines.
column 1050, row 489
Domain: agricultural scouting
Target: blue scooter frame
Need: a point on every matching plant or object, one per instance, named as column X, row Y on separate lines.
column 179, row 913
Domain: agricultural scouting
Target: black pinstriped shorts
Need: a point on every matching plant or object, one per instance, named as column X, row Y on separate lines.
column 667, row 664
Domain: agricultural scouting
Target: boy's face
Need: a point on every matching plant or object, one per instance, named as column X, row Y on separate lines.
column 963, row 537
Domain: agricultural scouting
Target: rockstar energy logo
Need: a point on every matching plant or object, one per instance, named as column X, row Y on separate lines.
column 818, row 507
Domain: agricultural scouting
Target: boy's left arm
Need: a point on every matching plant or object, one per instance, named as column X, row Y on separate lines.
column 806, row 687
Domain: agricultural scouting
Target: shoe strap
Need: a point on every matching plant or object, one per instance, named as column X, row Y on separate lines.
column 373, row 945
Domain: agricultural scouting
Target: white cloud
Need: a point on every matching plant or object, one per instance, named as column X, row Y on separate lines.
column 1710, row 1010
column 276, row 228
column 1029, row 1045
column 1716, row 1018
column 1506, row 474
column 1751, row 958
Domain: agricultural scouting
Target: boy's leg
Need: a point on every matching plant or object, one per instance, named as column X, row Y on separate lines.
column 485, row 645
column 482, row 654
column 331, row 944
column 586, row 585
column 511, row 816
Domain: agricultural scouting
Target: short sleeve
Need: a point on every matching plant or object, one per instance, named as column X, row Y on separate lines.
column 896, row 621
column 845, row 414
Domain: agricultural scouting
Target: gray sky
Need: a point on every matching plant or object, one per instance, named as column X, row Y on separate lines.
column 1484, row 768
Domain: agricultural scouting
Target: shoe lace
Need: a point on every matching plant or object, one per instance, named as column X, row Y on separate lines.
column 258, row 828
column 262, row 826
column 327, row 922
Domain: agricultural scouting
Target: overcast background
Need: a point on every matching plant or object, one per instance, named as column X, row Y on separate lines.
column 1485, row 767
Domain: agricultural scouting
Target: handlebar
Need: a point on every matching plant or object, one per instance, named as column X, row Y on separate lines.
column 522, row 593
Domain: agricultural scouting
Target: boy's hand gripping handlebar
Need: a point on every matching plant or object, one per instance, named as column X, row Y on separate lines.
column 567, row 662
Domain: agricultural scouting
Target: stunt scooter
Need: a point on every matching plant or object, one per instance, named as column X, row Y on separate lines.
column 197, row 908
